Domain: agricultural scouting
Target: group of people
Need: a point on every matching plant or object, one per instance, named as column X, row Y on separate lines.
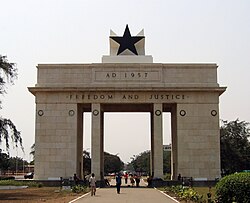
column 134, row 179
column 92, row 182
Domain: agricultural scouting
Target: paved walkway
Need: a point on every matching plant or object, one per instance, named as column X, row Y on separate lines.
column 127, row 195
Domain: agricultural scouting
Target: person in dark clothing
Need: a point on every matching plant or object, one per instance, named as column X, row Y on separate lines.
column 179, row 177
column 76, row 179
column 118, row 179
column 107, row 182
column 149, row 180
column 132, row 180
column 137, row 181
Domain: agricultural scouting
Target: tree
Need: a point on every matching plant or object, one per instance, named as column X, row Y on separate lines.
column 166, row 162
column 8, row 73
column 16, row 164
column 141, row 162
column 11, row 164
column 4, row 160
column 235, row 146
column 112, row 163
column 32, row 152
column 86, row 163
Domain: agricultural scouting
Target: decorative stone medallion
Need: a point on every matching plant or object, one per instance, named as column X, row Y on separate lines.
column 182, row 112
column 95, row 112
column 157, row 112
column 71, row 112
column 40, row 112
column 213, row 112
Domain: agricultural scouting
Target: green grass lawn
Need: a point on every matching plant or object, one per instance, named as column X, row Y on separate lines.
column 19, row 183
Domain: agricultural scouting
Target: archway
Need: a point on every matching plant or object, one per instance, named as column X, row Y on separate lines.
column 127, row 81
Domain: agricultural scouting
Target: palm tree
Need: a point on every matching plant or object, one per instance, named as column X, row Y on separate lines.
column 8, row 73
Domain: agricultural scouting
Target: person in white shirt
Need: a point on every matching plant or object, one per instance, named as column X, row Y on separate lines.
column 92, row 184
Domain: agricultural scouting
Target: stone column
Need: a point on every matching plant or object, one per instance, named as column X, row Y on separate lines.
column 56, row 141
column 96, row 141
column 157, row 141
column 174, row 161
column 102, row 147
column 198, row 143
column 79, row 166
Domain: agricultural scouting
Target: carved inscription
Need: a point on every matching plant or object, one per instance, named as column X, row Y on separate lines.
column 127, row 76
column 127, row 97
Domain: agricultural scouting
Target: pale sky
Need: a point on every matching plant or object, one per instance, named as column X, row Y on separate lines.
column 77, row 31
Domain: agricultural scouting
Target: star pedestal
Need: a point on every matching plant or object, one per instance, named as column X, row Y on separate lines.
column 127, row 59
column 127, row 48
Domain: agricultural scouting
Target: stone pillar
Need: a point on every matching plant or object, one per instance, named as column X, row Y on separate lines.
column 79, row 166
column 56, row 141
column 157, row 142
column 102, row 147
column 198, row 140
column 174, row 161
column 96, row 141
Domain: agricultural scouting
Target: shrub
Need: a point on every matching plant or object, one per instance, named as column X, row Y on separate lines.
column 7, row 178
column 167, row 176
column 234, row 188
column 185, row 193
column 79, row 188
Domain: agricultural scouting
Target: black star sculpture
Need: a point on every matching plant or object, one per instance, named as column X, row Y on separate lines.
column 127, row 42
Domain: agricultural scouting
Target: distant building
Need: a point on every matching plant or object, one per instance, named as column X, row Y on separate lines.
column 167, row 148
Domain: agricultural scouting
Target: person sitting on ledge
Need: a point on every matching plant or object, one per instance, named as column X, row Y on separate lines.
column 106, row 182
column 179, row 177
column 149, row 180
column 76, row 179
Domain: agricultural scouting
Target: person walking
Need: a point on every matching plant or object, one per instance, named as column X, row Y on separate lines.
column 126, row 178
column 137, row 180
column 118, row 179
column 92, row 184
column 132, row 180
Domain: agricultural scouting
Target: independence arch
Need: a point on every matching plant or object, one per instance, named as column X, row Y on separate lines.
column 127, row 83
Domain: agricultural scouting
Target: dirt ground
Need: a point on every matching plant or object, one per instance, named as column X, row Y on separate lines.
column 43, row 194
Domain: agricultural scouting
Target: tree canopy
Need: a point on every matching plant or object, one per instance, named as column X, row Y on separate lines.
column 86, row 163
column 11, row 164
column 112, row 163
column 141, row 162
column 235, row 146
column 8, row 73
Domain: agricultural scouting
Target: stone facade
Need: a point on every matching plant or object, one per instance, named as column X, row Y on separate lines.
column 189, row 91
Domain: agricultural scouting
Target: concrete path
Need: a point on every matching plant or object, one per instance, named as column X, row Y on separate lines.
column 127, row 195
